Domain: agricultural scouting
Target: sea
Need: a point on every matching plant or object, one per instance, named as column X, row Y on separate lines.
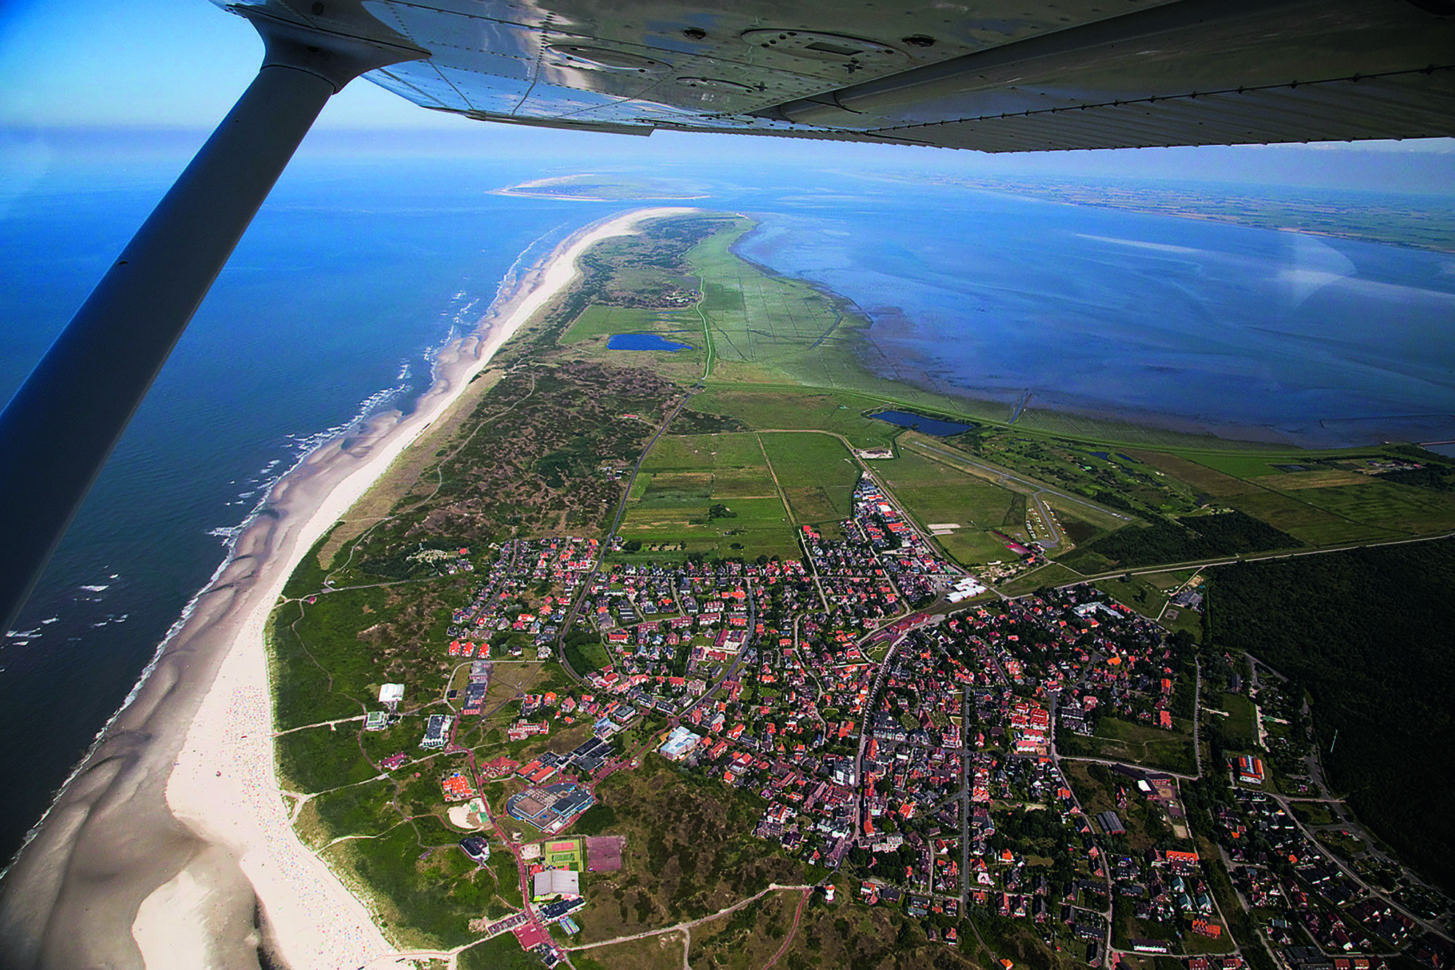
column 357, row 268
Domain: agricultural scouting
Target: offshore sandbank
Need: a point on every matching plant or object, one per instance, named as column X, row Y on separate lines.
column 170, row 845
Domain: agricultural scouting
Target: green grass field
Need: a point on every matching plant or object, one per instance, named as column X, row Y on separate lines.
column 705, row 452
column 1051, row 574
column 1146, row 745
column 785, row 407
column 816, row 473
column 588, row 336
column 1409, row 510
column 1169, row 580
column 1303, row 521
column 1136, row 592
column 1238, row 727
column 935, row 492
column 686, row 476
column 603, row 321
column 1244, row 465
column 771, row 330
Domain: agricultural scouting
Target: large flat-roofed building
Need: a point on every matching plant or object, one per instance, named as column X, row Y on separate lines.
column 390, row 695
column 550, row 808
column 555, row 883
column 436, row 732
column 591, row 755
column 679, row 744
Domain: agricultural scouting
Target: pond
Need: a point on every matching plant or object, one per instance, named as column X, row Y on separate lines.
column 918, row 422
column 644, row 341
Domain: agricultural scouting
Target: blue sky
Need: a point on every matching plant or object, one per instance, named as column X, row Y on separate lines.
column 143, row 65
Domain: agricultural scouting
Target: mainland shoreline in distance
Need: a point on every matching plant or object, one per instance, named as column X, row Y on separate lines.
column 170, row 846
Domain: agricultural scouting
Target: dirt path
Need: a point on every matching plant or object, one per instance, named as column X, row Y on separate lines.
column 687, row 926
column 792, row 932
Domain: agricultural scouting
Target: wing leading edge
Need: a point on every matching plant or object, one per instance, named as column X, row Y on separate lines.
column 996, row 75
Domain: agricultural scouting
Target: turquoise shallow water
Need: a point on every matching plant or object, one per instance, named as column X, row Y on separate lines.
column 356, row 269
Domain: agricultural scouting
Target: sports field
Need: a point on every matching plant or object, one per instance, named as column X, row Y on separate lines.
column 564, row 854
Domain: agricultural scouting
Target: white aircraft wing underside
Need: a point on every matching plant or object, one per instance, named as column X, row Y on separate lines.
column 994, row 75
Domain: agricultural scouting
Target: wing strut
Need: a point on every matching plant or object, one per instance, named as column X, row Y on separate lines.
column 59, row 428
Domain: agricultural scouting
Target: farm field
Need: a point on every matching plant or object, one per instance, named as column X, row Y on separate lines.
column 1307, row 522
column 710, row 494
column 816, row 474
column 1411, row 511
column 800, row 409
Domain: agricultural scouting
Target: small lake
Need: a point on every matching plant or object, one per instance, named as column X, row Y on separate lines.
column 922, row 424
column 644, row 341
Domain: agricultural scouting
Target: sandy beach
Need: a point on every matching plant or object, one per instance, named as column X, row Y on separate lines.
column 171, row 846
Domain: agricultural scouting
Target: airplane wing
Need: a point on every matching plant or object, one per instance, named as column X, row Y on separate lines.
column 993, row 75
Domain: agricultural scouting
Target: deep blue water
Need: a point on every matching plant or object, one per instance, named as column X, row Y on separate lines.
column 327, row 311
column 644, row 341
column 354, row 270
column 932, row 426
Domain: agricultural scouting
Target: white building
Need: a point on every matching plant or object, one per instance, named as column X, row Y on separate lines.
column 554, row 883
column 437, row 732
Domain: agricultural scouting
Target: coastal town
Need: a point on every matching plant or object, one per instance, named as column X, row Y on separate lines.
column 1029, row 769
column 673, row 657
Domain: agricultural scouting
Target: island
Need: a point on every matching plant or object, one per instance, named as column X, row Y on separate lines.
column 721, row 648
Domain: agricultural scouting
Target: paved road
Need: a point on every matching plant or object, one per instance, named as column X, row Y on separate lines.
column 1261, row 557
column 1036, row 487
